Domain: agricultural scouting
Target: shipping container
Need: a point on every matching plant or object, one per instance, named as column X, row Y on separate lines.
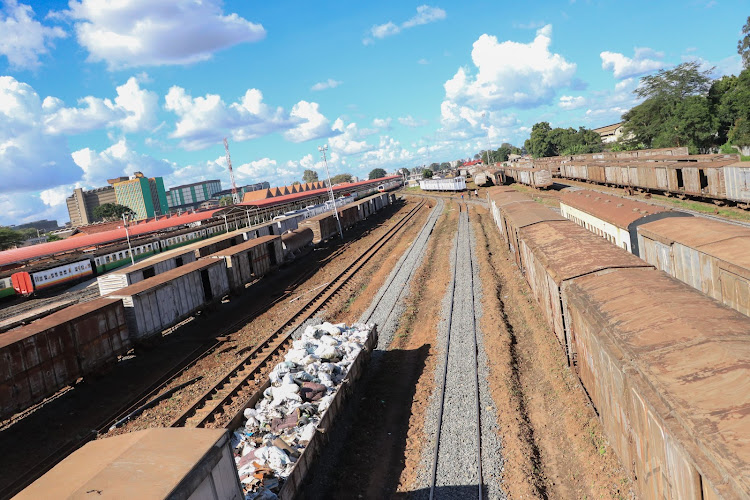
column 158, row 303
column 671, row 384
column 175, row 464
column 250, row 260
column 39, row 359
column 144, row 269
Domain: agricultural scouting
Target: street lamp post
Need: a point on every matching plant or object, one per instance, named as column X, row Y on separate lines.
column 323, row 150
column 127, row 235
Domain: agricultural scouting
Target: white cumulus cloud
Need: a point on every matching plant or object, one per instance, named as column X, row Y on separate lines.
column 511, row 73
column 644, row 60
column 571, row 102
column 128, row 33
column 312, row 123
column 328, row 84
column 204, row 121
column 411, row 122
column 22, row 38
column 133, row 110
column 348, row 141
column 118, row 159
column 29, row 158
column 425, row 14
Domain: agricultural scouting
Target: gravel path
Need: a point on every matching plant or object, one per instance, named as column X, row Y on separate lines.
column 388, row 305
column 457, row 474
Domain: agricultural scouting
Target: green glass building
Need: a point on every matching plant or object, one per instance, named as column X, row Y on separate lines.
column 144, row 196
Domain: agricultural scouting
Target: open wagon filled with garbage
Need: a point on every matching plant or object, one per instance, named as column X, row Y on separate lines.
column 287, row 428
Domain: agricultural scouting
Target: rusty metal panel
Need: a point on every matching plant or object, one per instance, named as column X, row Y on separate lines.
column 694, row 432
column 596, row 173
column 737, row 180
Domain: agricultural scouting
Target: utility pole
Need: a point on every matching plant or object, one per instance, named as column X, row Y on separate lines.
column 323, row 150
column 127, row 235
column 488, row 144
column 235, row 194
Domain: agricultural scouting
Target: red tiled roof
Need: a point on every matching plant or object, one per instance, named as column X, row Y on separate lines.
column 280, row 200
column 90, row 240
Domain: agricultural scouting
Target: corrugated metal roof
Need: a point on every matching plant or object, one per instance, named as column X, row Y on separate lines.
column 161, row 279
column 86, row 241
column 618, row 211
column 727, row 242
column 260, row 240
column 558, row 247
column 526, row 214
column 280, row 200
column 693, row 354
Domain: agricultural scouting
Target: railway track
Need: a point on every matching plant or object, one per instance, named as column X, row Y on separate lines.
column 457, row 457
column 76, row 296
column 156, row 390
column 242, row 380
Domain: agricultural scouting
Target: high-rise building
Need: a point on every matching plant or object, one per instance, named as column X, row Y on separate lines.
column 144, row 196
column 190, row 196
column 81, row 204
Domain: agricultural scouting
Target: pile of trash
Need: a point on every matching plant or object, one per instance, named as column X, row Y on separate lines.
column 283, row 422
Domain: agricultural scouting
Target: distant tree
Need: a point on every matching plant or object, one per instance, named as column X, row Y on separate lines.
column 403, row 171
column 377, row 173
column 53, row 237
column 459, row 164
column 743, row 46
column 476, row 156
column 434, row 166
column 10, row 238
column 675, row 110
column 427, row 173
column 445, row 166
column 295, row 183
column 110, row 211
column 310, row 176
column 338, row 179
column 225, row 201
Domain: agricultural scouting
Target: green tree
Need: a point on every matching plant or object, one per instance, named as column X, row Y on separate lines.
column 10, row 238
column 110, row 211
column 310, row 176
column 377, row 173
column 295, row 183
column 743, row 45
column 427, row 173
column 53, row 237
column 445, row 166
column 340, row 178
column 676, row 110
column 225, row 201
column 539, row 143
column 403, row 171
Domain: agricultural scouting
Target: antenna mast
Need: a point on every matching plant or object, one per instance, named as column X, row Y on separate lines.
column 235, row 194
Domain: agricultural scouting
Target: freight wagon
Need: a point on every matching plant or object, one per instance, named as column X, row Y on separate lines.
column 707, row 254
column 158, row 303
column 535, row 177
column 296, row 242
column 613, row 218
column 664, row 365
column 39, row 359
column 195, row 464
column 145, row 269
column 250, row 260
column 453, row 184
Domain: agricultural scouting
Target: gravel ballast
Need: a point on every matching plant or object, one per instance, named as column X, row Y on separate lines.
column 457, row 472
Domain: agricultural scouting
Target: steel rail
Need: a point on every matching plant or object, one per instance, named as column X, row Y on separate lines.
column 238, row 379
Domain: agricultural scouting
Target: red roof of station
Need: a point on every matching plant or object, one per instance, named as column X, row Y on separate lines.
column 89, row 240
column 287, row 198
column 113, row 235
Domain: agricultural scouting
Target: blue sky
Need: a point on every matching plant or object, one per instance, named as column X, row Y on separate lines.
column 94, row 89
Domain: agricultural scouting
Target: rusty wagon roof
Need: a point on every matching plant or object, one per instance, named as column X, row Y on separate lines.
column 154, row 259
column 143, row 464
column 618, row 211
column 724, row 241
column 163, row 278
column 243, row 247
column 54, row 319
column 558, row 247
column 526, row 214
column 694, row 354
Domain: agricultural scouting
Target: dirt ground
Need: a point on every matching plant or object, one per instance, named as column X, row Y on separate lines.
column 553, row 443
column 383, row 445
